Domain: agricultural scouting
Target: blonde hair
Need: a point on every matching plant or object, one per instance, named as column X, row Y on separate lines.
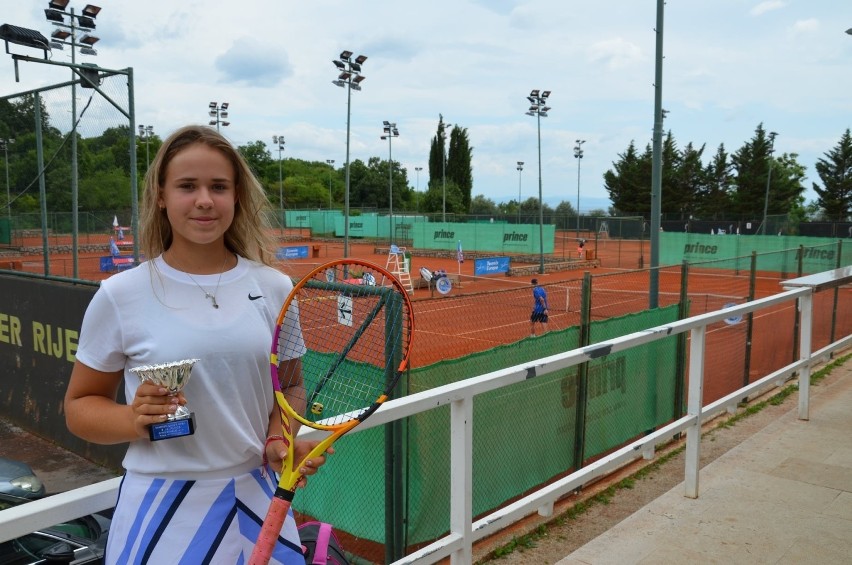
column 247, row 236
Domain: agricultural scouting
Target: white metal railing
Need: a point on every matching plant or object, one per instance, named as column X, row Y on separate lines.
column 459, row 396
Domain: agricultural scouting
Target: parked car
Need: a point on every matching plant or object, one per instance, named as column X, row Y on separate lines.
column 18, row 479
column 79, row 541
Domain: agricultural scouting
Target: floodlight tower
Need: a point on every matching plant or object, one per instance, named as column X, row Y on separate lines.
column 390, row 131
column 578, row 154
column 350, row 77
column 145, row 134
column 330, row 171
column 4, row 145
column 218, row 113
column 772, row 135
column 278, row 140
column 66, row 34
column 538, row 109
column 520, row 169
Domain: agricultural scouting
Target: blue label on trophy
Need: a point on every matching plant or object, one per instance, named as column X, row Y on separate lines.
column 172, row 428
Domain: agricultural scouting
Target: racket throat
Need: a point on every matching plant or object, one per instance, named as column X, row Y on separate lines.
column 285, row 494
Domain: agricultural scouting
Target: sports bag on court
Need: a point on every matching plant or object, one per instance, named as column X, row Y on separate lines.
column 320, row 544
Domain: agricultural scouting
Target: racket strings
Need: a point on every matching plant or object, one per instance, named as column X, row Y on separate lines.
column 355, row 332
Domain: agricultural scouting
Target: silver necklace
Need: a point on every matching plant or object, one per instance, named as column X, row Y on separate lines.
column 209, row 295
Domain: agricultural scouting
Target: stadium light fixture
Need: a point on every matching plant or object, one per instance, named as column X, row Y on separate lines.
column 23, row 36
column 91, row 11
column 145, row 133
column 4, row 145
column 578, row 154
column 539, row 110
column 390, row 131
column 772, row 135
column 218, row 112
column 418, row 169
column 520, row 169
column 350, row 78
column 330, row 170
column 278, row 140
column 57, row 11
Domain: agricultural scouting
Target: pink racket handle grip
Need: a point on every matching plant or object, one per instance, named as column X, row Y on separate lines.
column 272, row 524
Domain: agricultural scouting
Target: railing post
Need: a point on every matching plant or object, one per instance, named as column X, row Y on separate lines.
column 806, row 307
column 461, row 478
column 694, row 402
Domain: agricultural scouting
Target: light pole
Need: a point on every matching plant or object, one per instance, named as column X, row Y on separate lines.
column 56, row 14
column 417, row 202
column 444, row 156
column 330, row 170
column 219, row 113
column 390, row 131
column 539, row 109
column 4, row 144
column 145, row 133
column 279, row 141
column 772, row 135
column 578, row 154
column 350, row 77
column 520, row 169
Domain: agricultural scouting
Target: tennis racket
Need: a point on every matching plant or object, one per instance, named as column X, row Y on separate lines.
column 356, row 329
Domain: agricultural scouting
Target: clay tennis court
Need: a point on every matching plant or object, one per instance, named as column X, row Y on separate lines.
column 482, row 312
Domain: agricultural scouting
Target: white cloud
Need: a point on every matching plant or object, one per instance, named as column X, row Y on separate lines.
column 729, row 65
column 616, row 53
column 767, row 6
column 810, row 25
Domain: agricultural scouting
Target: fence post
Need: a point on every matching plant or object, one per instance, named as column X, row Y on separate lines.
column 836, row 289
column 680, row 361
column 749, row 318
column 585, row 338
column 796, row 312
column 694, row 401
column 806, row 303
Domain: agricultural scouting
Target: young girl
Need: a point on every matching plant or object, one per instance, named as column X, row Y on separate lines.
column 207, row 292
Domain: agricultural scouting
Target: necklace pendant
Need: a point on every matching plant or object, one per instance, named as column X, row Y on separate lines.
column 212, row 298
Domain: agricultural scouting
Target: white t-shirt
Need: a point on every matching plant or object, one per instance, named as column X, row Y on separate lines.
column 155, row 314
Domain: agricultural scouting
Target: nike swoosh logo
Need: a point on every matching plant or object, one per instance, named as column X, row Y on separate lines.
column 255, row 297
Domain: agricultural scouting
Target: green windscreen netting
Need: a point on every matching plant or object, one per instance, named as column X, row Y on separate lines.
column 524, row 435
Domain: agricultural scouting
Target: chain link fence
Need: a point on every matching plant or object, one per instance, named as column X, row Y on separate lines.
column 74, row 151
column 571, row 418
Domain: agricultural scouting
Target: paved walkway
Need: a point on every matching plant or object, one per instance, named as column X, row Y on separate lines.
column 782, row 496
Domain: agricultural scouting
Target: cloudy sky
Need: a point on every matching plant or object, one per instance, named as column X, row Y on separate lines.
column 729, row 65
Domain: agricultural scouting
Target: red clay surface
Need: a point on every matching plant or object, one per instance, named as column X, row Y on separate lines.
column 483, row 312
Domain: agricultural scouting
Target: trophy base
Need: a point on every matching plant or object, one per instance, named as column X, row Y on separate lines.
column 169, row 429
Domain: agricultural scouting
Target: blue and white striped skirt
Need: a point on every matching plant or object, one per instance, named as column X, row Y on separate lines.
column 215, row 521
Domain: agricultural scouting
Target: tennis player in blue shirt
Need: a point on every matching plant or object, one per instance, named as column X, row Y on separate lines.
column 539, row 311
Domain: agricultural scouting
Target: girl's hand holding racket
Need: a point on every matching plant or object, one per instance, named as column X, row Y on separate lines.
column 351, row 324
column 276, row 452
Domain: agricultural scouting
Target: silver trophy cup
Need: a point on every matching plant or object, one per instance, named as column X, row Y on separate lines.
column 173, row 377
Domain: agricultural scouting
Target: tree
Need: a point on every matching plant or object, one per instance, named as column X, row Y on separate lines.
column 437, row 169
column 459, row 165
column 452, row 163
column 835, row 172
column 686, row 181
column 629, row 186
column 256, row 155
column 714, row 199
column 482, row 206
column 753, row 181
